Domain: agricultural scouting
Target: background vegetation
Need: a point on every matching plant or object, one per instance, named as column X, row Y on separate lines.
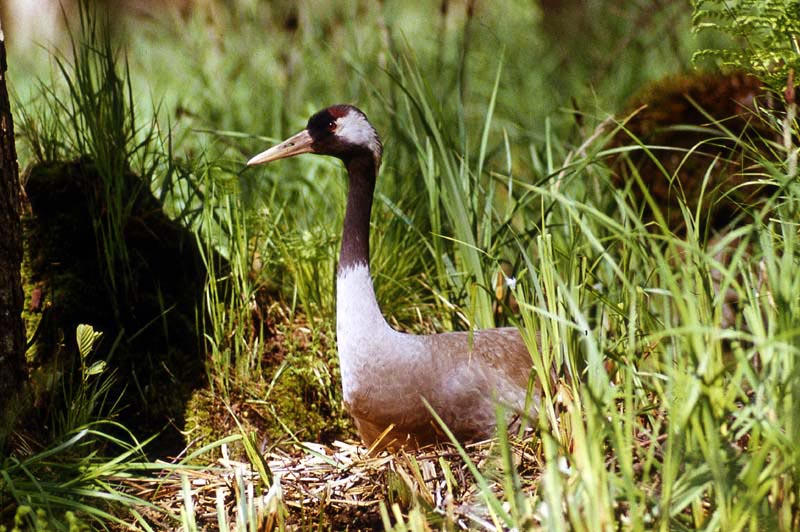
column 512, row 148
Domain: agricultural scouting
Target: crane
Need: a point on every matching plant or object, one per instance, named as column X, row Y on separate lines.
column 387, row 375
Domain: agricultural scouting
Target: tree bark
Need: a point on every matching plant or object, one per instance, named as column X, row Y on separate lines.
column 13, row 369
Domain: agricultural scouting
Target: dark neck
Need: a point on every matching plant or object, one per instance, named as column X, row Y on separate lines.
column 355, row 238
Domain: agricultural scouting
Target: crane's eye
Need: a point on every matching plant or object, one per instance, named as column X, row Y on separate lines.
column 331, row 126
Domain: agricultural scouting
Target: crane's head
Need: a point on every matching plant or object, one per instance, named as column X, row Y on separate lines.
column 341, row 131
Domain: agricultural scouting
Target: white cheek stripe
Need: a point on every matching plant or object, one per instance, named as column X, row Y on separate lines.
column 355, row 129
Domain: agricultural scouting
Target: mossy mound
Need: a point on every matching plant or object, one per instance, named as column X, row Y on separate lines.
column 688, row 113
column 146, row 297
column 296, row 395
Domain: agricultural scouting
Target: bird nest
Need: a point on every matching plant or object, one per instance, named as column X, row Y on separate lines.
column 340, row 486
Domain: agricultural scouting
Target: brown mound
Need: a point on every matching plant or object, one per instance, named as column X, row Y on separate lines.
column 713, row 115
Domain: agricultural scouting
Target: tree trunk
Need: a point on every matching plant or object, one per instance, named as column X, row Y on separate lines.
column 12, row 331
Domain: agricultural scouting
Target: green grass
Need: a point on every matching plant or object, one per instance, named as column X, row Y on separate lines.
column 76, row 480
column 665, row 415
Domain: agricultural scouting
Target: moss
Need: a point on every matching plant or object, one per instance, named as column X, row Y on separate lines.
column 203, row 423
column 306, row 399
column 298, row 392
column 304, row 392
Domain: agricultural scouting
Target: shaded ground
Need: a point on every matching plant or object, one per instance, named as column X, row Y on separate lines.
column 143, row 291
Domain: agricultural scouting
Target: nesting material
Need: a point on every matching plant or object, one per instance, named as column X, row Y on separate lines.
column 341, row 485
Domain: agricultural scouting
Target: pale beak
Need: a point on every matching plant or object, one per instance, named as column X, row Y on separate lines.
column 295, row 145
